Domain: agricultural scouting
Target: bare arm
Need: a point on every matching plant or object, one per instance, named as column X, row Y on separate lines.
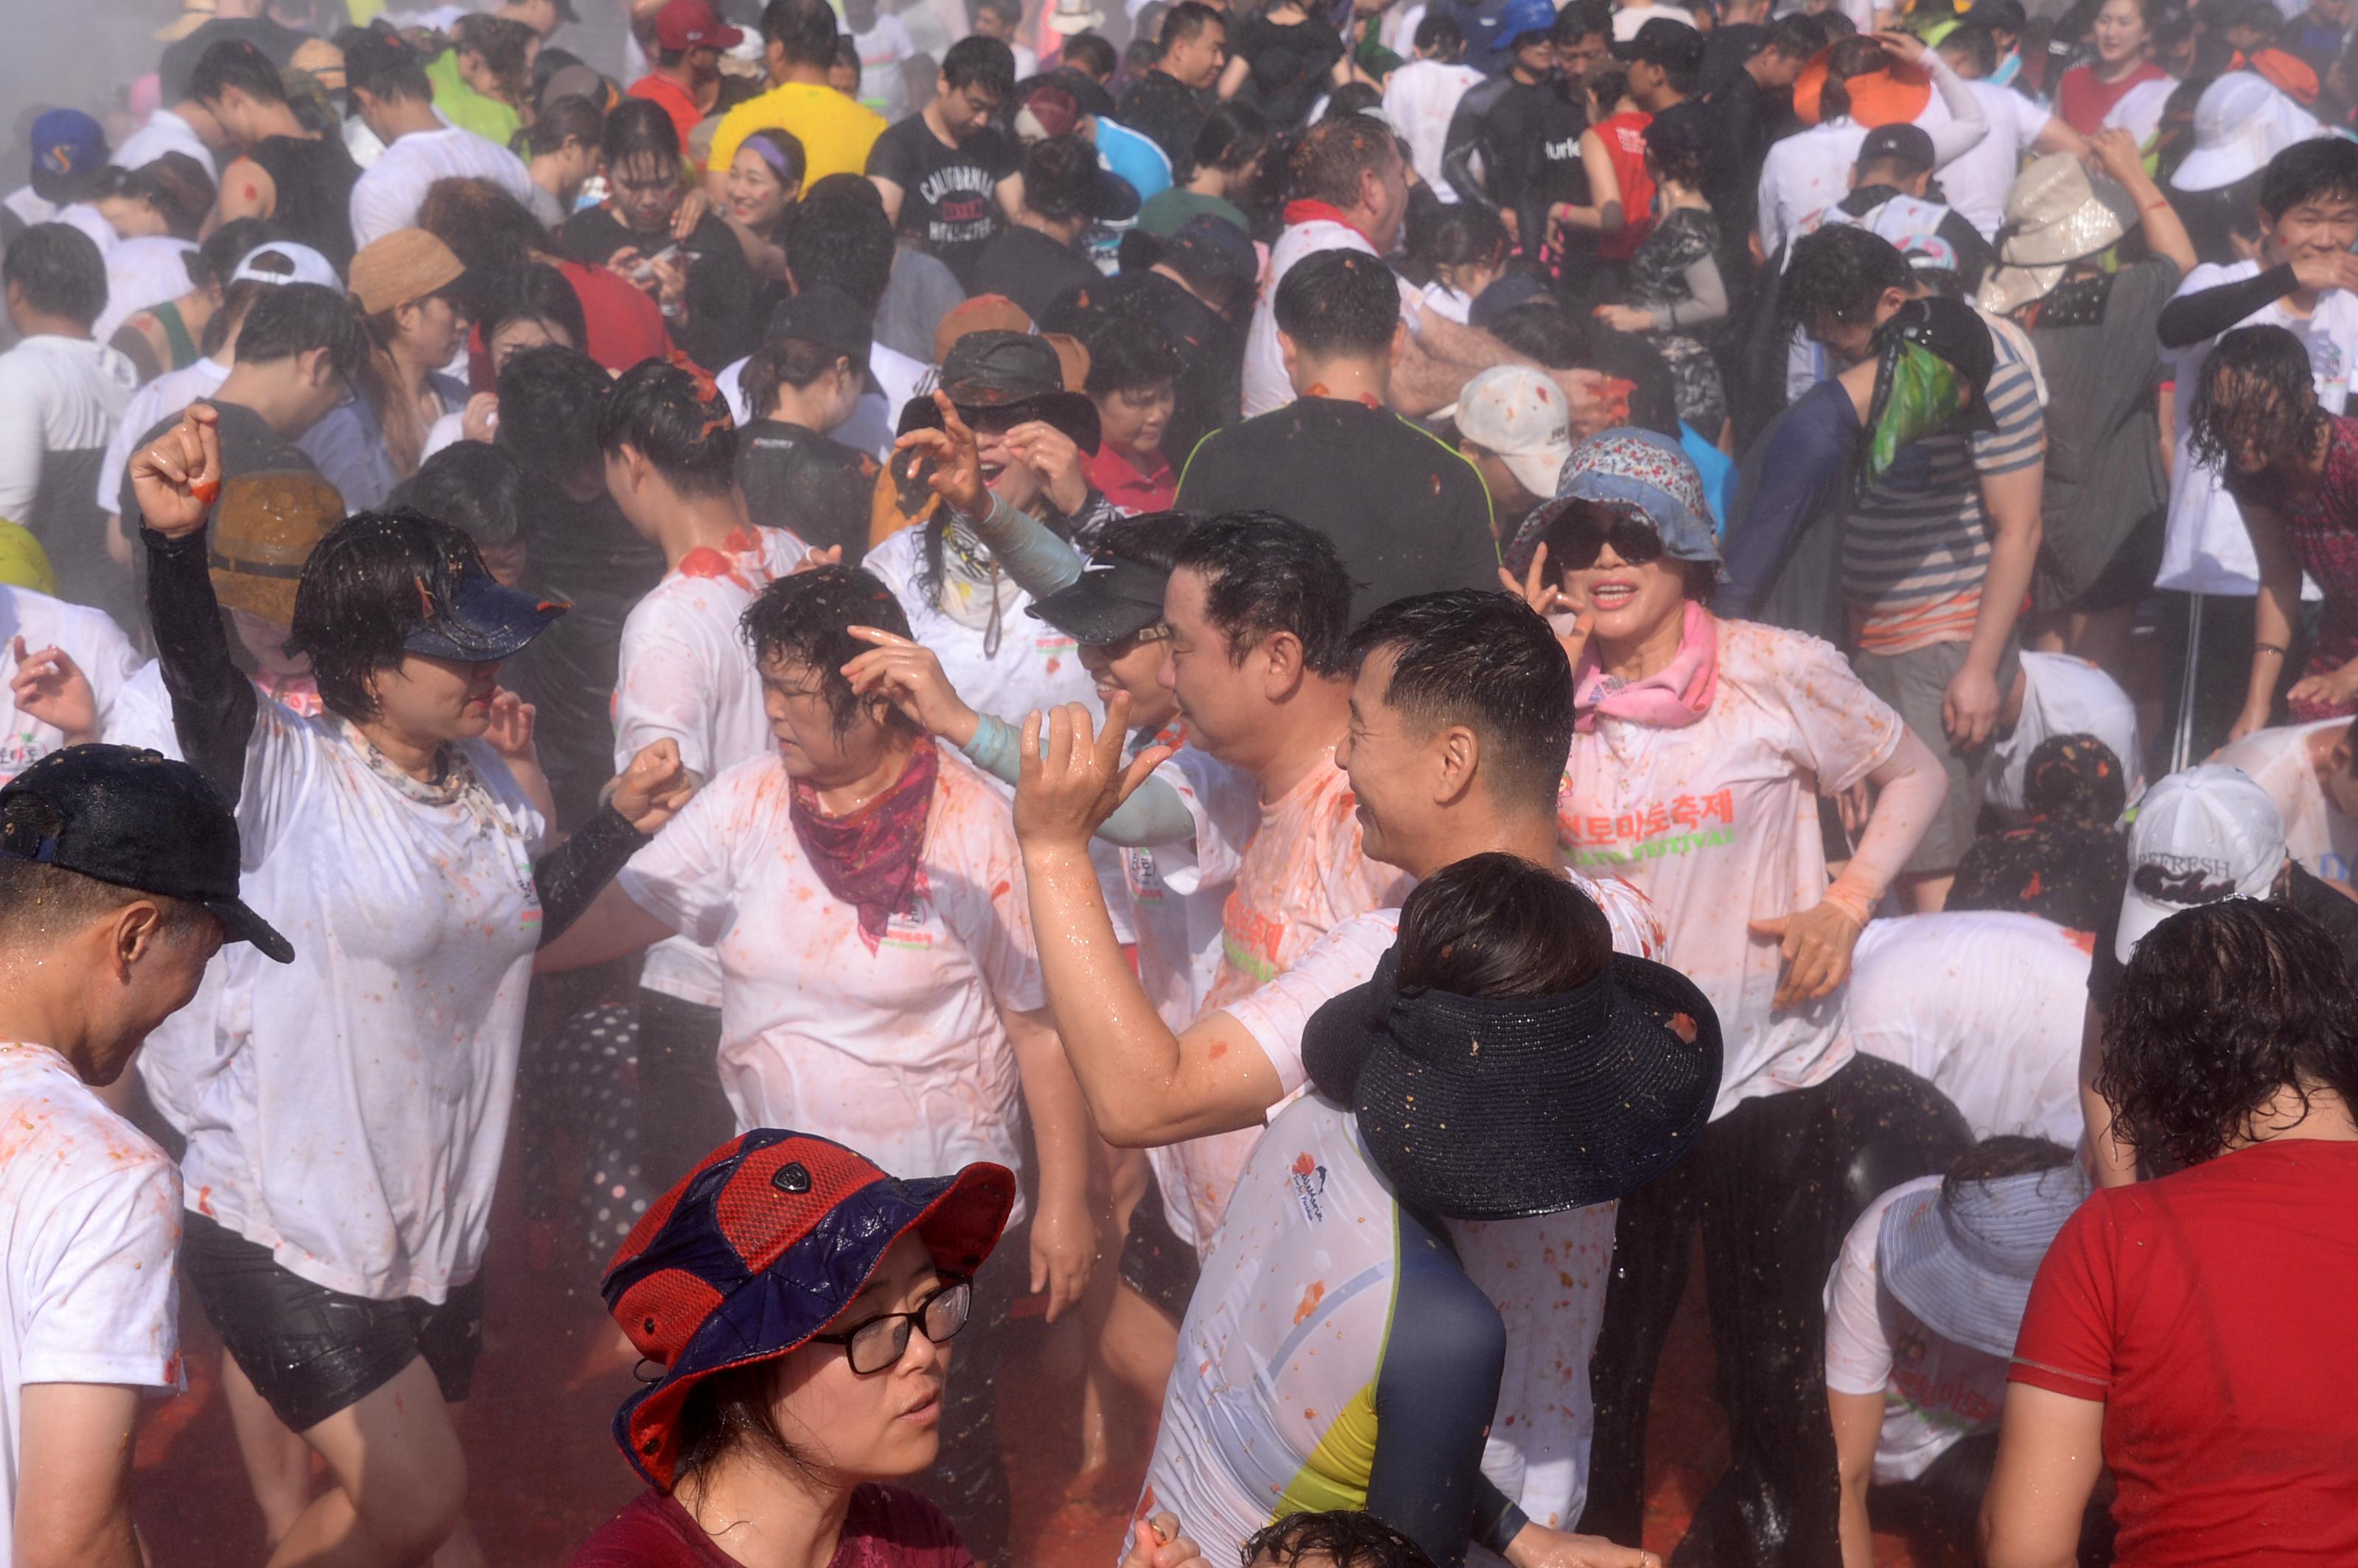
column 1603, row 213
column 2050, row 1452
column 246, row 191
column 1064, row 1240
column 2055, row 137
column 1858, row 1424
column 1440, row 358
column 73, row 1476
column 2164, row 234
column 2272, row 615
column 2010, row 501
column 892, row 194
column 1232, row 77
column 1009, row 195
column 612, row 926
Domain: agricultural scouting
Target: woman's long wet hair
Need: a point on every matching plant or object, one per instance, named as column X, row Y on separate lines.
column 374, row 579
column 2256, row 387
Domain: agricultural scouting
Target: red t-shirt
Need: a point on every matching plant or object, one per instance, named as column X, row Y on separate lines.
column 885, row 1528
column 1624, row 136
column 2214, row 1314
column 677, row 102
column 2081, row 102
column 1133, row 488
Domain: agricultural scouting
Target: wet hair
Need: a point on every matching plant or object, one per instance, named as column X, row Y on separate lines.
column 1232, row 136
column 1440, row 37
column 2256, row 383
column 1580, row 19
column 1494, row 924
column 1011, row 10
column 551, row 401
column 805, row 620
column 1127, row 354
column 640, row 129
column 679, row 424
column 296, row 318
column 474, row 486
column 1333, row 155
column 57, row 269
column 1796, row 37
column 234, row 62
column 1999, row 1159
column 839, row 234
column 1455, row 234
column 1346, row 1537
column 1841, row 271
column 571, row 118
column 174, row 185
column 1653, row 394
column 977, row 61
column 1091, row 54
column 785, row 362
column 1973, row 47
column 1264, row 574
column 737, row 1405
column 1854, row 56
column 1483, row 660
column 365, row 590
column 1059, row 173
column 1544, row 332
column 534, row 292
column 41, row 904
column 2322, row 169
column 1352, row 98
column 1151, row 538
column 804, row 30
column 487, row 229
column 1338, row 303
column 1186, row 20
column 1699, row 579
column 2220, row 1008
column 504, row 46
column 381, row 64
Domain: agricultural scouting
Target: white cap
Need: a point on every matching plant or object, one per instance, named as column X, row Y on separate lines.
column 311, row 266
column 2207, row 834
column 1520, row 415
column 2240, row 123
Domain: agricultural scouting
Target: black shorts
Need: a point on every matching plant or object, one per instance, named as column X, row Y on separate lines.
column 1154, row 1261
column 312, row 1351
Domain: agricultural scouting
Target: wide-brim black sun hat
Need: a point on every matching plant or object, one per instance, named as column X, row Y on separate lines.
column 1501, row 1108
column 1014, row 372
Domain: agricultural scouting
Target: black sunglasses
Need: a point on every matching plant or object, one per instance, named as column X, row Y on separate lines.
column 1581, row 536
column 877, row 1343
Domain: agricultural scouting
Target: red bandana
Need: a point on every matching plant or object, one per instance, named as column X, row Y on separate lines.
column 868, row 859
column 1308, row 211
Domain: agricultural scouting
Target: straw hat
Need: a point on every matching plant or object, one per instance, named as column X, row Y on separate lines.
column 2056, row 213
column 263, row 530
column 194, row 14
column 407, row 265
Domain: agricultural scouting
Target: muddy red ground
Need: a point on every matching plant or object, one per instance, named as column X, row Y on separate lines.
column 544, row 1473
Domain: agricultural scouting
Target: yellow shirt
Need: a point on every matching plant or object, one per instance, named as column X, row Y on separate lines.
column 835, row 131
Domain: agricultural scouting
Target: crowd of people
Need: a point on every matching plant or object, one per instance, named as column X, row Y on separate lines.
column 1314, row 690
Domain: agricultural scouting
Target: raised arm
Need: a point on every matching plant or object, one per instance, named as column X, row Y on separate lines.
column 174, row 480
column 1967, row 125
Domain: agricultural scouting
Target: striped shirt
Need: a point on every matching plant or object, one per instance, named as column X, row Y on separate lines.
column 1917, row 546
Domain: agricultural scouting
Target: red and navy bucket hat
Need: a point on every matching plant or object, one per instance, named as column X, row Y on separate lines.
column 758, row 1248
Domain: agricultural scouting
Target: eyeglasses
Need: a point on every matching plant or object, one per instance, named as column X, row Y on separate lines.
column 1584, row 534
column 877, row 1344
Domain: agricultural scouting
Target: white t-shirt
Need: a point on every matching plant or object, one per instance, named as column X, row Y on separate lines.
column 1805, row 174
column 2064, row 696
column 899, row 1052
column 1265, row 385
column 1418, row 98
column 30, row 205
column 57, row 394
column 1977, row 179
column 389, row 192
column 1717, row 823
column 2324, row 841
column 165, row 132
column 2138, row 111
column 357, row 1121
column 1934, row 1391
column 1627, row 20
column 142, row 274
column 167, row 394
column 2208, row 550
column 1984, row 1004
column 89, row 1234
column 881, row 48
column 89, row 636
column 684, row 674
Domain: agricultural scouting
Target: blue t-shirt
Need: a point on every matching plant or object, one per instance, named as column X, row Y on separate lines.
column 1135, row 157
column 1716, row 468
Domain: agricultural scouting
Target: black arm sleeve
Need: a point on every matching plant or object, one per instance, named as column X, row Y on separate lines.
column 1434, row 1395
column 2190, row 318
column 214, row 705
column 569, row 878
column 1464, row 140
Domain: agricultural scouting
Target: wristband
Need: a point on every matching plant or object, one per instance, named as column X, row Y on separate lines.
column 1855, row 895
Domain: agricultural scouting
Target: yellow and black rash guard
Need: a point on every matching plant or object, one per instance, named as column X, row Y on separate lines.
column 1335, row 1356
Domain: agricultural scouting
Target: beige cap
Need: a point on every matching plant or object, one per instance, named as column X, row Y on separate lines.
column 194, row 14
column 264, row 528
column 323, row 59
column 407, row 265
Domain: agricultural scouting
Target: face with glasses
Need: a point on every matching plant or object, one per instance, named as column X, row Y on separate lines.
column 1135, row 665
column 1611, row 561
column 863, row 1400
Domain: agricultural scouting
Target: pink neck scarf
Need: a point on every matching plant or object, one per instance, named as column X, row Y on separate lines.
column 1671, row 698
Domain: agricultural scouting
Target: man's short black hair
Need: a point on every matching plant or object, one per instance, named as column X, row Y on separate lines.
column 1190, row 17
column 1012, row 9
column 661, row 411
column 806, row 619
column 551, row 401
column 296, row 318
column 474, row 486
column 234, row 62
column 382, row 63
column 1653, row 391
column 58, row 271
column 1091, row 54
column 1580, row 19
column 1060, row 173
column 1842, row 271
column 1485, row 661
column 838, row 233
column 2324, row 169
column 1544, row 332
column 1440, row 37
column 1338, row 303
column 1797, row 36
column 358, row 601
column 1347, row 1538
column 1977, row 46
column 1264, row 574
column 804, row 30
column 977, row 61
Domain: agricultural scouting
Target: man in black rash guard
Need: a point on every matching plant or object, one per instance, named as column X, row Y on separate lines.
column 1524, row 125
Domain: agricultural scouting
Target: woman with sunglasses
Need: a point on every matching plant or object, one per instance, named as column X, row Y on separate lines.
column 1699, row 752
column 795, row 1309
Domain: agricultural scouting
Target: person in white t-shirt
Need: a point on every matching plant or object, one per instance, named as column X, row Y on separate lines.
column 1421, row 96
column 1975, row 181
column 47, row 644
column 1922, row 1306
column 2059, row 695
column 392, row 97
column 341, row 1164
column 884, row 47
column 879, row 986
column 1627, row 19
column 118, row 882
column 2310, row 771
column 1461, row 713
column 684, row 674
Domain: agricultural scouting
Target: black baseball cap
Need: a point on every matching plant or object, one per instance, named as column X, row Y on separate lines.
column 137, row 819
column 2004, row 15
column 1672, row 45
column 1115, row 595
column 826, row 315
column 1208, row 251
column 1900, row 143
column 479, row 620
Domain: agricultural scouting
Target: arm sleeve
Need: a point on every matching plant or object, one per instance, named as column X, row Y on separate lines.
column 1777, row 500
column 1967, row 125
column 372, row 213
column 888, row 158
column 1152, row 814
column 569, row 878
column 664, row 693
column 1434, row 1395
column 213, row 707
column 1462, row 140
column 686, row 876
column 1858, row 1352
column 1709, row 298
column 1028, row 550
column 2207, row 312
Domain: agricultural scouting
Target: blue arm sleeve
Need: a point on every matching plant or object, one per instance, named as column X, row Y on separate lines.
column 1152, row 814
column 1775, row 499
column 1027, row 550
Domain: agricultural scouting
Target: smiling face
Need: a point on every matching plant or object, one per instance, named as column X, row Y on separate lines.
column 1632, row 598
column 429, row 700
column 2120, row 32
column 2315, row 228
column 1134, row 665
column 1012, row 482
column 1387, row 757
column 757, row 197
column 881, row 1426
column 1218, row 696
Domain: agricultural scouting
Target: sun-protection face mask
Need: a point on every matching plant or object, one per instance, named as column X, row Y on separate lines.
column 1916, row 392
